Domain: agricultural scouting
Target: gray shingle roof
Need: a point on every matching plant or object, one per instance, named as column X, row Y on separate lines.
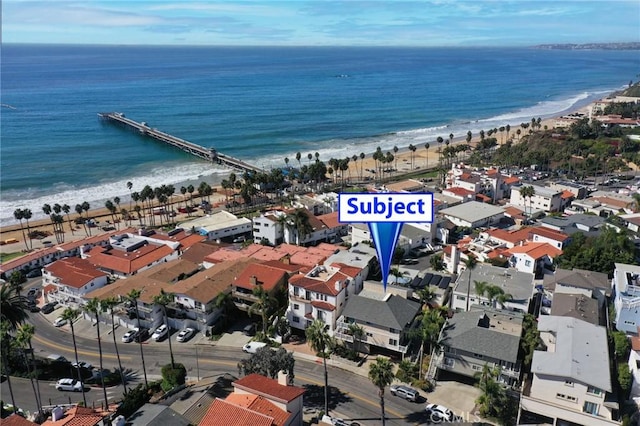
column 581, row 352
column 500, row 340
column 396, row 312
column 579, row 278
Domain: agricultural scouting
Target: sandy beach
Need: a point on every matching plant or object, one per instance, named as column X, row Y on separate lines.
column 423, row 159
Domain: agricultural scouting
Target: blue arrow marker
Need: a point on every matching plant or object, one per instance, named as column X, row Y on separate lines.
column 385, row 236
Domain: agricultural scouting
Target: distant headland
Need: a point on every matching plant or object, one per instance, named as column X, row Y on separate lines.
column 591, row 46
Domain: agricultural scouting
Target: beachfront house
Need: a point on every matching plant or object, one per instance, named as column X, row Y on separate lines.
column 71, row 279
column 473, row 214
column 221, row 225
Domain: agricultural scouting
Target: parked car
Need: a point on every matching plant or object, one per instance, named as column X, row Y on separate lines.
column 185, row 334
column 335, row 421
column 129, row 336
column 57, row 358
column 438, row 412
column 59, row 322
column 82, row 364
column 249, row 330
column 72, row 385
column 33, row 307
column 160, row 332
column 35, row 273
column 33, row 293
column 405, row 392
column 142, row 335
column 49, row 307
column 252, row 347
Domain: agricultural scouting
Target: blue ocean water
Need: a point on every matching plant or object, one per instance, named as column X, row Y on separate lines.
column 260, row 104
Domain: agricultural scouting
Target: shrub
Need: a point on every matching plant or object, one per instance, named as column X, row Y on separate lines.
column 172, row 377
column 133, row 400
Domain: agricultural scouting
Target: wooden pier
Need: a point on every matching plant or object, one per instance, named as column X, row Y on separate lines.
column 209, row 154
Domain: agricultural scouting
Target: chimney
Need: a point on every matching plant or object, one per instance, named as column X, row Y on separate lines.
column 455, row 260
column 338, row 285
column 253, row 280
column 283, row 378
column 286, row 259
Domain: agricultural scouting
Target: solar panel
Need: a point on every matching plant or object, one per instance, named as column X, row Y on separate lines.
column 416, row 282
column 444, row 283
column 435, row 280
column 425, row 280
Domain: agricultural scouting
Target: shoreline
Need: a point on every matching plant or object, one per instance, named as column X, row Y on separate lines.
column 423, row 159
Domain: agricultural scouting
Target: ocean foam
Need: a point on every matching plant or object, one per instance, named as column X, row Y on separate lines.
column 192, row 173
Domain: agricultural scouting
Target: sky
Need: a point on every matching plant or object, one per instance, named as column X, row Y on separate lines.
column 320, row 22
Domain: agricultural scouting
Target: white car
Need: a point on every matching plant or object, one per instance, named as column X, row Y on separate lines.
column 438, row 413
column 252, row 347
column 59, row 322
column 82, row 364
column 129, row 336
column 185, row 334
column 69, row 385
column 160, row 332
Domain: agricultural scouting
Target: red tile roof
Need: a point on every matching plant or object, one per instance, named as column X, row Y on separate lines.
column 269, row 388
column 548, row 233
column 128, row 262
column 222, row 413
column 16, row 420
column 513, row 237
column 74, row 271
column 266, row 276
column 319, row 286
column 566, row 194
column 535, row 250
column 260, row 405
column 77, row 416
column 330, row 220
column 323, row 305
column 348, row 270
column 511, row 180
column 460, row 192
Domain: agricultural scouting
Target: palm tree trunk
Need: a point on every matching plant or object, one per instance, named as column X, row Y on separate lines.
column 173, row 366
column 144, row 368
column 75, row 350
column 115, row 344
column 326, row 384
column 384, row 420
column 7, row 371
column 104, row 390
column 33, row 360
column 33, row 385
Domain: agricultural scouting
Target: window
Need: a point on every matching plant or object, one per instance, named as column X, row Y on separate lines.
column 476, row 367
column 393, row 342
column 590, row 407
column 369, row 334
column 449, row 362
column 296, row 319
column 566, row 397
column 296, row 306
column 393, row 330
column 477, row 355
column 296, row 291
column 461, row 298
column 568, row 383
column 527, row 263
column 593, row 390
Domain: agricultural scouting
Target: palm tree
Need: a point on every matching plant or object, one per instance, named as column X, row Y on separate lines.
column 6, row 340
column 13, row 306
column 71, row 315
column 129, row 186
column 319, row 340
column 298, row 157
column 527, row 192
column 26, row 214
column 109, row 304
column 18, row 215
column 262, row 306
column 426, row 147
column 66, row 209
column 362, row 156
column 481, row 287
column 426, row 295
column 94, row 306
column 358, row 332
column 381, row 375
column 299, row 221
column 163, row 299
column 78, row 209
column 23, row 340
column 470, row 264
column 133, row 297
